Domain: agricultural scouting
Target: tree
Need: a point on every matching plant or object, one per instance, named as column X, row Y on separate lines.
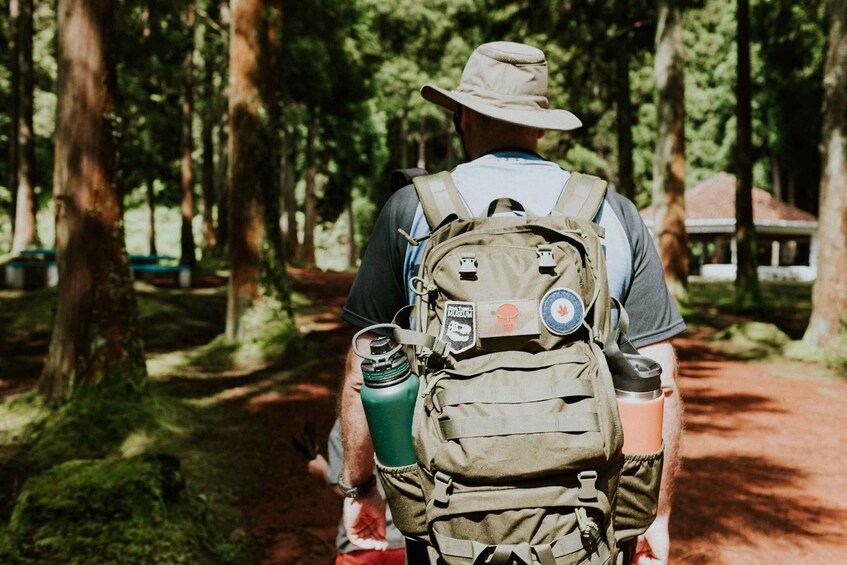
column 14, row 103
column 746, row 276
column 669, row 175
column 96, row 340
column 244, row 203
column 187, row 256
column 626, row 180
column 828, row 324
column 25, row 205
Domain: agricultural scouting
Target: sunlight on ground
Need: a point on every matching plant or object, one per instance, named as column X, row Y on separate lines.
column 15, row 417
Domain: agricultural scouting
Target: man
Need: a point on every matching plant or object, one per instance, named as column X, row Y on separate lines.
column 500, row 112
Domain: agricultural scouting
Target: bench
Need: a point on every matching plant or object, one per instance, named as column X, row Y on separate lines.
column 182, row 273
column 31, row 274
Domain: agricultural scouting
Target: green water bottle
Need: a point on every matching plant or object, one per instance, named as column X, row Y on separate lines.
column 388, row 396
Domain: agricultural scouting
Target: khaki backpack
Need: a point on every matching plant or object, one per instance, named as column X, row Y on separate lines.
column 516, row 428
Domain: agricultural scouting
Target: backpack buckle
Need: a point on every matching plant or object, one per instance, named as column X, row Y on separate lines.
column 467, row 266
column 589, row 531
column 545, row 257
column 587, row 486
column 443, row 488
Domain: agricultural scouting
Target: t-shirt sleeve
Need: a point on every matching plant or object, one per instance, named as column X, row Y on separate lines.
column 335, row 453
column 653, row 315
column 379, row 291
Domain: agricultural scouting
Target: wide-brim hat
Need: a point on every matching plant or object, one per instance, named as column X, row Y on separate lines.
column 508, row 82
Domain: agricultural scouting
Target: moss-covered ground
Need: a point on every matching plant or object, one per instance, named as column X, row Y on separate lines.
column 153, row 478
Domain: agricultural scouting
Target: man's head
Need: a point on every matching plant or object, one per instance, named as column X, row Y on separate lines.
column 505, row 86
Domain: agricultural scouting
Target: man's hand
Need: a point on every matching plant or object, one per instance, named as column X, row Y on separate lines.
column 364, row 520
column 654, row 546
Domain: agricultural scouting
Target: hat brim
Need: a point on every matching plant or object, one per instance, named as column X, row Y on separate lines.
column 560, row 120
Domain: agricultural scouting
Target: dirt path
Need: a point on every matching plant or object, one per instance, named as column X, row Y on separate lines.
column 765, row 456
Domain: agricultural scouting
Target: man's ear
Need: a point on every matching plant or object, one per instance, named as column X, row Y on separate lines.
column 466, row 119
column 541, row 133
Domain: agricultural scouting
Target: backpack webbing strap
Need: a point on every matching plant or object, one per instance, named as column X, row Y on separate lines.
column 493, row 426
column 582, row 197
column 440, row 198
column 570, row 388
column 475, row 551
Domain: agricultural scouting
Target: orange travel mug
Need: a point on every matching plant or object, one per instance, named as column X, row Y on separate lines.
column 638, row 387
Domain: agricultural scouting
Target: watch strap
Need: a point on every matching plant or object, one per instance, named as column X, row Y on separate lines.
column 356, row 491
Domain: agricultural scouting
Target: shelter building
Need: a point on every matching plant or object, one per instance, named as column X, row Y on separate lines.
column 786, row 236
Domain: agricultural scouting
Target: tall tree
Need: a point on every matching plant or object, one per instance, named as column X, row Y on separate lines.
column 14, row 103
column 248, row 140
column 746, row 276
column 210, row 115
column 307, row 249
column 626, row 179
column 188, row 256
column 669, row 174
column 828, row 324
column 25, row 206
column 96, row 339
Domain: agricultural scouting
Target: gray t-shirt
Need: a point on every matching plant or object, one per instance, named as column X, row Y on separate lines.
column 336, row 458
column 634, row 270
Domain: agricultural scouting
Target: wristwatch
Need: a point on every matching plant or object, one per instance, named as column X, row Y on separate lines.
column 357, row 491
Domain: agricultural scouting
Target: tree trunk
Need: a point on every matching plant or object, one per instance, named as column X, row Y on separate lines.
column 746, row 277
column 626, row 178
column 669, row 175
column 188, row 256
column 288, row 203
column 307, row 250
column 352, row 252
column 223, row 184
column 244, row 193
column 151, row 215
column 422, row 138
column 25, row 232
column 14, row 105
column 96, row 339
column 829, row 299
column 207, row 175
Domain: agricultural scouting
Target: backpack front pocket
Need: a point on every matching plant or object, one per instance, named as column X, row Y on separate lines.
column 514, row 416
column 638, row 497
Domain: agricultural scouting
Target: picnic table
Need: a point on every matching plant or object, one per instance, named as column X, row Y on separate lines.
column 34, row 268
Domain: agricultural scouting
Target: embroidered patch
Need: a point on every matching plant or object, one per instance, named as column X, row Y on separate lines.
column 508, row 318
column 562, row 311
column 459, row 326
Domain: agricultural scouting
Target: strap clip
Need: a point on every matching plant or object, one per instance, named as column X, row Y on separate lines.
column 443, row 488
column 587, row 486
column 545, row 257
column 467, row 266
column 588, row 528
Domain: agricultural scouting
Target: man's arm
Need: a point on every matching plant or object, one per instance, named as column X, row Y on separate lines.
column 364, row 518
column 654, row 545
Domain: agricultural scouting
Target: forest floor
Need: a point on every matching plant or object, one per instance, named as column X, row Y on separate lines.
column 764, row 476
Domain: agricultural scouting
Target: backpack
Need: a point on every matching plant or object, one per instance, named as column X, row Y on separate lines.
column 516, row 428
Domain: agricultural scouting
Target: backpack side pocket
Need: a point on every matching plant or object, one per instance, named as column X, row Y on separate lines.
column 638, row 495
column 403, row 492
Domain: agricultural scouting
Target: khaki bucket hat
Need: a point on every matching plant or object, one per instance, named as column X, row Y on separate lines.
column 508, row 82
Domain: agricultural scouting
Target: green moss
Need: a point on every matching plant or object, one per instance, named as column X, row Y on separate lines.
column 91, row 426
column 107, row 511
column 752, row 340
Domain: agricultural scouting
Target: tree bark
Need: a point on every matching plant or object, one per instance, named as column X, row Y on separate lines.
column 307, row 250
column 96, row 340
column 188, row 256
column 207, row 175
column 14, row 105
column 746, row 276
column 25, row 206
column 244, row 194
column 829, row 298
column 626, row 177
column 150, row 192
column 669, row 176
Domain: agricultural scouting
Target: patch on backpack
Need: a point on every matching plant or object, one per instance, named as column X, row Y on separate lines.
column 458, row 328
column 562, row 311
column 508, row 318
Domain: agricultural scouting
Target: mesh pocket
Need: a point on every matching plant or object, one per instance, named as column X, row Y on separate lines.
column 405, row 498
column 638, row 495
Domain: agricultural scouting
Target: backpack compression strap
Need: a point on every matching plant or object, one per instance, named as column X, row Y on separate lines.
column 582, row 197
column 440, row 198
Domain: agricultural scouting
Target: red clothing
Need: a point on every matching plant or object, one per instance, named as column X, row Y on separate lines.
column 372, row 557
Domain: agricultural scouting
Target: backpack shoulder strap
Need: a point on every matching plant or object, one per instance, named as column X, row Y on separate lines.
column 582, row 197
column 440, row 198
